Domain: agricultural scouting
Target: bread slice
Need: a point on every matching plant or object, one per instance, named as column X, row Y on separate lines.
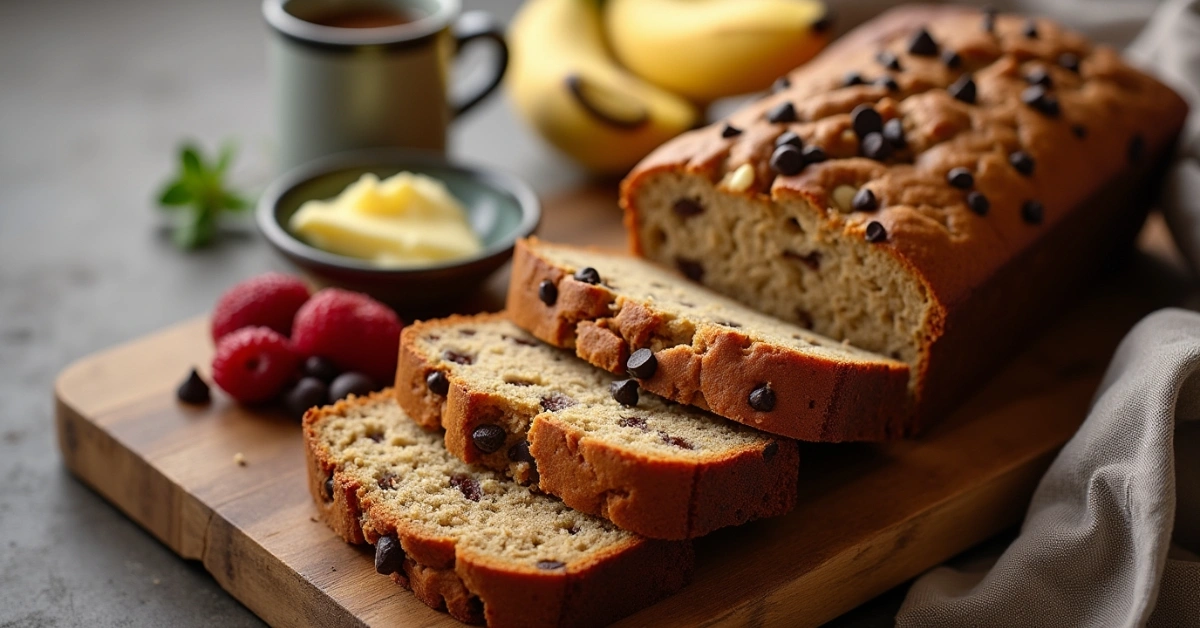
column 512, row 403
column 468, row 540
column 710, row 351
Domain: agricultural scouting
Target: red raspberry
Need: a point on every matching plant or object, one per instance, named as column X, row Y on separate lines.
column 353, row 330
column 268, row 300
column 252, row 364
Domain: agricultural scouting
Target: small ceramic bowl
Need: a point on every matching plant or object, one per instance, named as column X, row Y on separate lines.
column 499, row 207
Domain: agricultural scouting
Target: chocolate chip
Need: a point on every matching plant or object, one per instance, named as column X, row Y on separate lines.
column 888, row 83
column 320, row 368
column 328, row 486
column 466, row 332
column 1070, row 61
column 789, row 138
column 762, row 398
column 893, row 132
column 1032, row 212
column 814, row 154
column 389, row 556
column 866, row 120
column 963, row 89
column 633, row 421
column 307, row 393
column 588, row 275
column 691, row 269
column 770, row 451
column 873, row 146
column 1037, row 97
column 922, row 44
column 489, row 438
column 550, row 564
column 812, row 260
column 952, row 59
column 730, row 131
column 960, row 178
column 1030, row 30
column 520, row 453
column 783, row 112
column 642, row 364
column 864, row 201
column 1137, row 149
column 350, row 383
column 686, row 208
column 676, row 441
column 978, row 203
column 388, row 481
column 437, row 383
column 457, row 358
column 1079, row 130
column 625, row 392
column 548, row 292
column 875, row 232
column 889, row 60
column 787, row 160
column 1022, row 162
column 1039, row 76
column 467, row 485
column 193, row 390
column 780, row 84
column 852, row 78
column 557, row 401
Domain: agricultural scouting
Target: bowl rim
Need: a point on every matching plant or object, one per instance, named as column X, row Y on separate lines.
column 268, row 223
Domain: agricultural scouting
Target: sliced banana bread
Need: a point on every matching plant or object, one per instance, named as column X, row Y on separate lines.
column 932, row 186
column 468, row 540
column 515, row 404
column 700, row 348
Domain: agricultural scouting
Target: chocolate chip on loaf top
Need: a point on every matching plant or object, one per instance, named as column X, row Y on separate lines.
column 469, row 540
column 515, row 404
column 920, row 155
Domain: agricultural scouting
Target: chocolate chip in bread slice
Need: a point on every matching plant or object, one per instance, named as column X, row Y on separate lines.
column 469, row 540
column 709, row 351
column 541, row 415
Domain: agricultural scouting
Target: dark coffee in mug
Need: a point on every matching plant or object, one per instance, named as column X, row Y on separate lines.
column 366, row 16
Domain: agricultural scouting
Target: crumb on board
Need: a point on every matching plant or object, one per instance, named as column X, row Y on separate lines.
column 239, row 459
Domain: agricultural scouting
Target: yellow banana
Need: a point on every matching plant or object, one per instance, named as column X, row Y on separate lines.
column 566, row 85
column 708, row 49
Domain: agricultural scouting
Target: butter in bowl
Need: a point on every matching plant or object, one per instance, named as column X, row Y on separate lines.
column 409, row 228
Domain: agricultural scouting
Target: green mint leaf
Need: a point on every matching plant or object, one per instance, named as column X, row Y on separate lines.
column 235, row 203
column 176, row 194
column 193, row 166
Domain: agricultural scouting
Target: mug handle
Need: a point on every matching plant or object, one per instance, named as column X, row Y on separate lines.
column 481, row 25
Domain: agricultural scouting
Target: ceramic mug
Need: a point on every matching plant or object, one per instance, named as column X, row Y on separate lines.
column 350, row 74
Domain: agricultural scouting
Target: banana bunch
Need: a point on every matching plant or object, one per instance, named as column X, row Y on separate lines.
column 668, row 59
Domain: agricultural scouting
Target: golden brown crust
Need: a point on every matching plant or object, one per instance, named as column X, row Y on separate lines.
column 657, row 498
column 474, row 588
column 716, row 368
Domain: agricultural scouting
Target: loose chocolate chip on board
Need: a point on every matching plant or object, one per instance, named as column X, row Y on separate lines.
column 488, row 438
column 780, row 84
column 789, row 138
column 588, row 275
column 467, row 485
column 1070, row 61
column 963, row 89
column 1037, row 97
column 865, row 120
column 730, row 131
column 438, row 383
column 783, row 112
column 548, row 292
column 549, row 565
column 1032, row 212
column 642, row 364
column 1022, row 162
column 864, row 201
column 457, row 358
column 922, row 44
column 686, row 208
column 691, row 269
column 852, row 78
column 557, row 401
column 875, row 232
column 873, row 146
column 1079, row 130
column 960, row 178
column 952, row 59
column 814, row 155
column 888, row 83
column 1137, row 149
column 978, row 203
column 770, row 451
column 389, row 556
column 762, row 398
column 194, row 390
column 1030, row 30
column 625, row 392
column 328, row 486
column 787, row 160
column 889, row 60
column 1039, row 76
column 520, row 453
column 893, row 132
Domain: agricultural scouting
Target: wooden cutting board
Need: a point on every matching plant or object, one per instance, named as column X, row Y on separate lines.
column 868, row 517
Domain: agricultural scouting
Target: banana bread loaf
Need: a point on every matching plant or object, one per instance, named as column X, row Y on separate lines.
column 467, row 540
column 932, row 187
column 700, row 348
column 512, row 403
